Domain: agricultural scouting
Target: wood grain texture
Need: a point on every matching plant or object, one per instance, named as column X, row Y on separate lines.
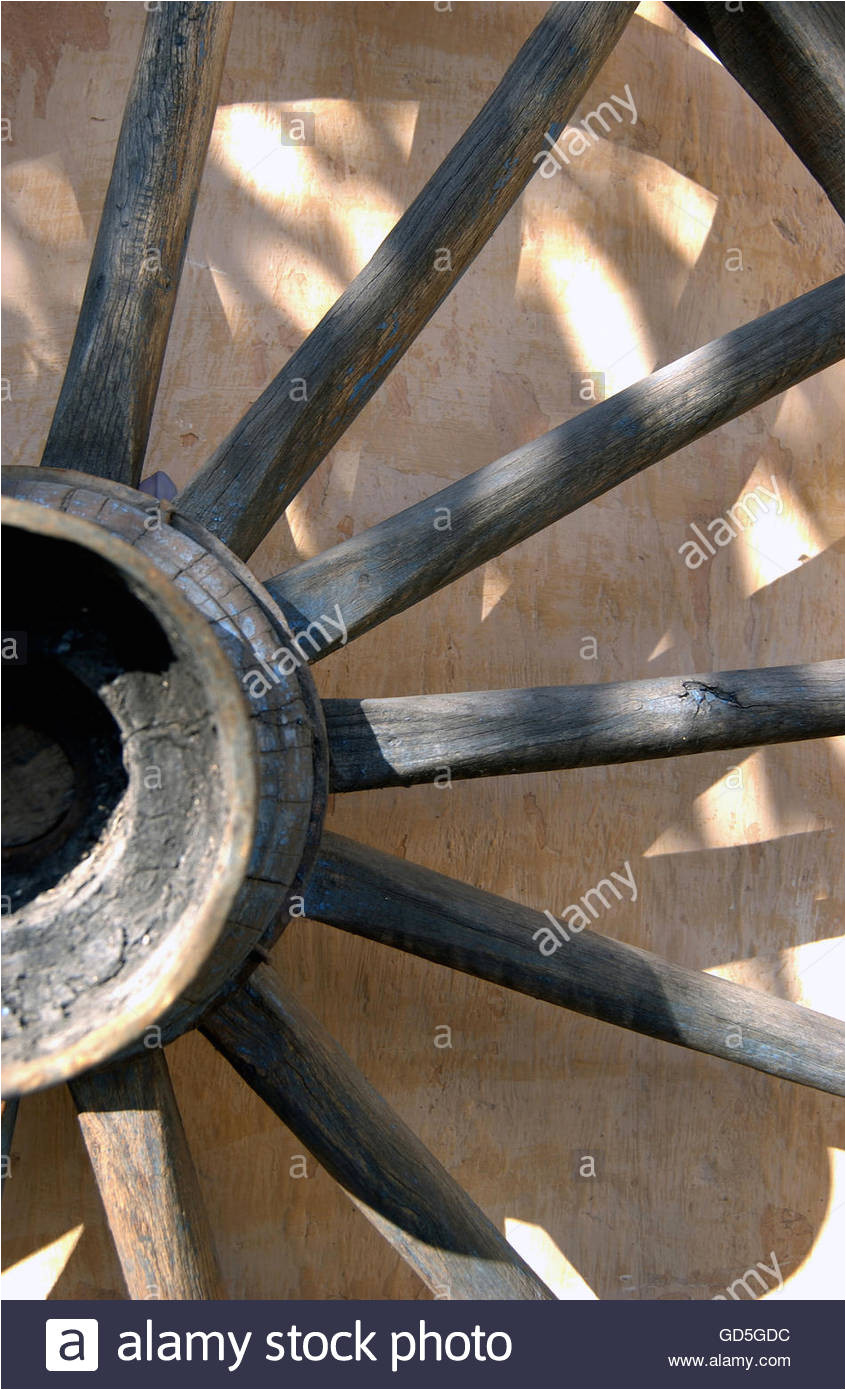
column 405, row 905
column 133, row 1131
column 253, row 475
column 789, row 58
column 376, row 574
column 484, row 733
column 102, row 419
column 289, row 1059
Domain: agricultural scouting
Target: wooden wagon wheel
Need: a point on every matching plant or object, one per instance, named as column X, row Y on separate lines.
column 132, row 918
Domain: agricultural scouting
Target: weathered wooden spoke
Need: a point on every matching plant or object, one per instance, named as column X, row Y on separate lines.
column 133, row 1131
column 413, row 554
column 789, row 58
column 484, row 733
column 405, row 905
column 289, row 1060
column 103, row 414
column 253, row 475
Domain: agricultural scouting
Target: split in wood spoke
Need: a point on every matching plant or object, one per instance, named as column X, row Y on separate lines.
column 133, row 1131
column 397, row 563
column 103, row 415
column 386, row 899
column 789, row 58
column 248, row 482
column 289, row 1060
column 483, row 733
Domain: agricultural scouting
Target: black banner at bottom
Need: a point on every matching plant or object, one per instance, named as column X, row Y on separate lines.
column 537, row 1346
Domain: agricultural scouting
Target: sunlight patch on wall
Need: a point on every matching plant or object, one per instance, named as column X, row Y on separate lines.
column 20, row 286
column 25, row 293
column 661, row 17
column 796, row 430
column 315, row 253
column 338, row 477
column 573, row 279
column 280, row 148
column 366, row 228
column 541, row 1254
column 774, row 536
column 247, row 143
column 593, row 305
column 494, row 585
column 820, row 1275
column 30, row 186
column 817, row 973
column 308, row 290
column 809, row 974
column 664, row 644
column 773, row 549
column 682, row 209
column 738, row 809
column 36, row 1274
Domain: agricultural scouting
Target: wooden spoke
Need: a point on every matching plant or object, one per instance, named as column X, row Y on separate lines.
column 404, row 905
column 484, row 733
column 10, row 1115
column 289, row 1060
column 250, row 479
column 789, row 58
column 133, row 1131
column 404, row 559
column 103, row 415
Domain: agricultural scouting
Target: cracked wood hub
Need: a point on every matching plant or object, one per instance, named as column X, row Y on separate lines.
column 154, row 818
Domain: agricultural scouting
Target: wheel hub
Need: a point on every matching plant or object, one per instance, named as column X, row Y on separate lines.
column 160, row 814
